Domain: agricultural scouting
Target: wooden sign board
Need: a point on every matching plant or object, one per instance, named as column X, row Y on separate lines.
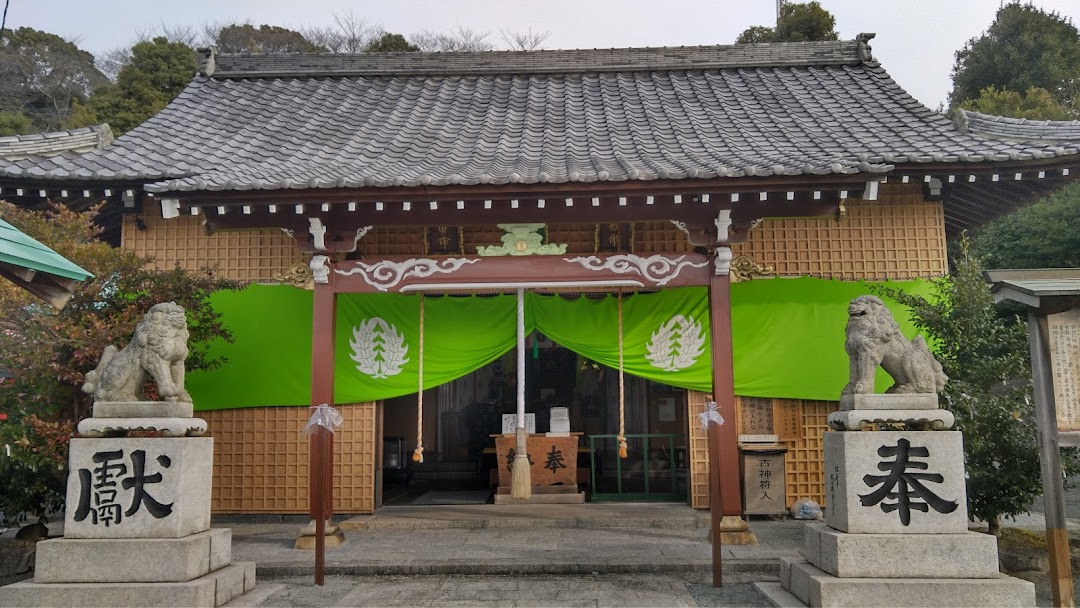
column 787, row 419
column 1064, row 338
column 757, row 416
column 554, row 459
column 764, row 484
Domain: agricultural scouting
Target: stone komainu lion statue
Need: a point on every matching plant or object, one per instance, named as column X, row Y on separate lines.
column 874, row 338
column 159, row 348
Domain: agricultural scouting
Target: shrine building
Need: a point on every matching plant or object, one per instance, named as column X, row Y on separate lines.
column 669, row 226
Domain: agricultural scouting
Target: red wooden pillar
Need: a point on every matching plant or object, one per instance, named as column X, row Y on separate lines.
column 727, row 436
column 320, row 477
column 725, row 492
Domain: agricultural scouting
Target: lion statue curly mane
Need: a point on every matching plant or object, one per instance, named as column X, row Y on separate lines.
column 158, row 348
column 874, row 338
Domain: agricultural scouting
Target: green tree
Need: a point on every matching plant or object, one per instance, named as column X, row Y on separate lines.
column 15, row 123
column 156, row 73
column 389, row 43
column 985, row 354
column 1043, row 235
column 1024, row 47
column 50, row 351
column 799, row 22
column 42, row 75
column 1036, row 104
column 246, row 38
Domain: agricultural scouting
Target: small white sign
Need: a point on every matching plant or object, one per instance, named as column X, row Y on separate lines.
column 509, row 423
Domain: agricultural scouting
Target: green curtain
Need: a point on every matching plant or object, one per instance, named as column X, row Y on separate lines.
column 665, row 333
column 787, row 336
column 377, row 342
column 269, row 362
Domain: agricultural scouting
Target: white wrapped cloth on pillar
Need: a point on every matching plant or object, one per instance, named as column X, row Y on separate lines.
column 324, row 416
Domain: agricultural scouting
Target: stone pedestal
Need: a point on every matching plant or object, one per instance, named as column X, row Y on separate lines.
column 138, row 487
column 895, row 532
column 137, row 529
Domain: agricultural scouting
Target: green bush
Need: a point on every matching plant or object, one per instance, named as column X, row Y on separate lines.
column 33, row 468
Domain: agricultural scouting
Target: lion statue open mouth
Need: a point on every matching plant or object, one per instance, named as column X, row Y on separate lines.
column 874, row 338
column 159, row 348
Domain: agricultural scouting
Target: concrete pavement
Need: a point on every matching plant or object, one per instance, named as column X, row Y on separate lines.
column 504, row 540
column 487, row 555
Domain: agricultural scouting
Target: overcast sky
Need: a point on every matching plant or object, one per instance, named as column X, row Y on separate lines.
column 916, row 39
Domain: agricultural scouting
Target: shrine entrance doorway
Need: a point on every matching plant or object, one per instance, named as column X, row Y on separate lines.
column 461, row 418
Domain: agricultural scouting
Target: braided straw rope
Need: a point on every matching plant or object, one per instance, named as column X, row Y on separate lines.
column 622, row 386
column 418, row 453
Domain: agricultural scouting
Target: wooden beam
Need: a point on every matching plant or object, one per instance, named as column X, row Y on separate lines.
column 342, row 224
column 568, row 272
column 671, row 187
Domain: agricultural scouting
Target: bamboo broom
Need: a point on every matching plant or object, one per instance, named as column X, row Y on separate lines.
column 521, row 478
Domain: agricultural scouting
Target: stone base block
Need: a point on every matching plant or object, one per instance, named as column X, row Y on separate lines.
column 891, row 420
column 119, row 427
column 138, row 487
column 208, row 591
column 890, row 401
column 891, row 482
column 814, row 587
column 968, row 555
column 132, row 560
column 307, row 542
column 143, row 409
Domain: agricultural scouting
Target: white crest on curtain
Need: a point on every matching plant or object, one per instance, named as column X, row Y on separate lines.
column 378, row 348
column 676, row 344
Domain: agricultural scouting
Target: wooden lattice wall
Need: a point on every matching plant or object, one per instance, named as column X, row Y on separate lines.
column 243, row 255
column 804, row 472
column 898, row 236
column 261, row 460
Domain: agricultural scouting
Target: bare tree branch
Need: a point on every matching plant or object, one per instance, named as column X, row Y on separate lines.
column 350, row 33
column 458, row 40
column 523, row 41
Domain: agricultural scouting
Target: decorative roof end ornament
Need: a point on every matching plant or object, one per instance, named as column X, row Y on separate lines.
column 864, row 46
column 207, row 63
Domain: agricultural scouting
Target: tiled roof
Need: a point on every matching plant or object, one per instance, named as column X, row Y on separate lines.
column 14, row 147
column 1018, row 129
column 414, row 119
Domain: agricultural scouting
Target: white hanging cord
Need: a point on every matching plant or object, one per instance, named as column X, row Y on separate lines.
column 521, row 358
column 622, row 386
column 520, row 476
column 418, row 453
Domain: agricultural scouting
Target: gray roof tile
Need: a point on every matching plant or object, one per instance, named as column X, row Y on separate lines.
column 414, row 119
column 15, row 147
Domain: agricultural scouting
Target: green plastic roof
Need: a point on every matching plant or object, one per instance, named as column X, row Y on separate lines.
column 19, row 249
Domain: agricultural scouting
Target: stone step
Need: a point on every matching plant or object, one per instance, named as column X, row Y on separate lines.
column 132, row 560
column 968, row 555
column 208, row 591
column 815, row 587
